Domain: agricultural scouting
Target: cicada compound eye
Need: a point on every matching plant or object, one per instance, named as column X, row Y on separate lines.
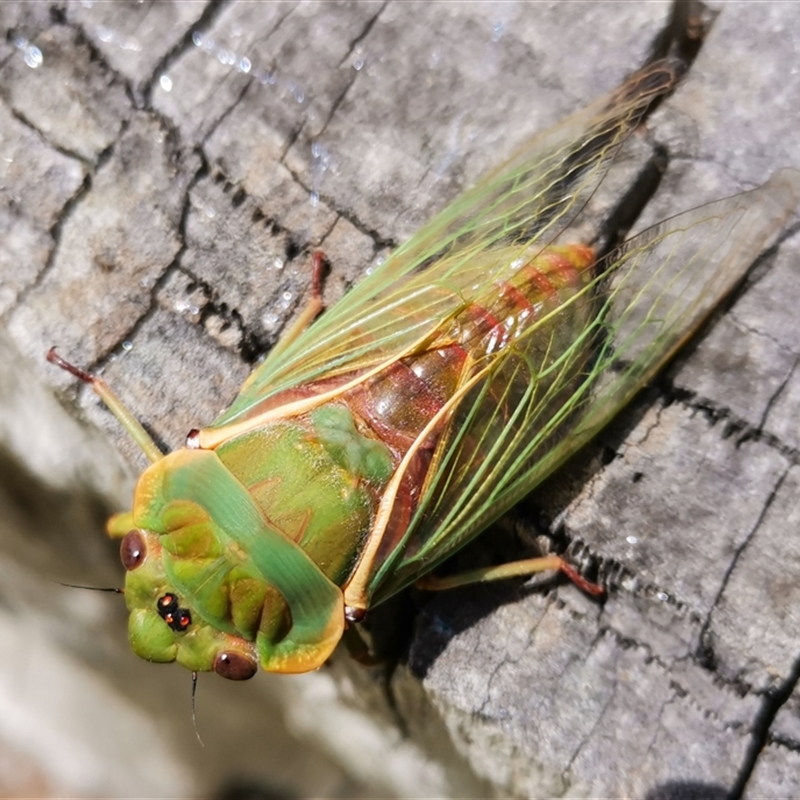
column 235, row 666
column 132, row 550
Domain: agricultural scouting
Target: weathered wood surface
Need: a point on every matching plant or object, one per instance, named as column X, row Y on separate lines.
column 166, row 168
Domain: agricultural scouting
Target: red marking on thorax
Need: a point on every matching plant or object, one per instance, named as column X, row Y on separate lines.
column 402, row 376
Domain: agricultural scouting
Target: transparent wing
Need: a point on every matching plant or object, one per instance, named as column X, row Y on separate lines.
column 529, row 414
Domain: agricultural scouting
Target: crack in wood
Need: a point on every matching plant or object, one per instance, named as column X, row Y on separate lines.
column 772, row 702
column 211, row 13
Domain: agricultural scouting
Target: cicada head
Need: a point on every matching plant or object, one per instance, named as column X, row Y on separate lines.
column 163, row 627
column 211, row 585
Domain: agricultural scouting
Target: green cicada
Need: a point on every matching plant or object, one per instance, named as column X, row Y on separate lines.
column 379, row 438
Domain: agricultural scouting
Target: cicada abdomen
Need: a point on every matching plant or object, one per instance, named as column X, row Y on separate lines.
column 515, row 337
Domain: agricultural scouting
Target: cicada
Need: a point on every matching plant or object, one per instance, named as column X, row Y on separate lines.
column 381, row 435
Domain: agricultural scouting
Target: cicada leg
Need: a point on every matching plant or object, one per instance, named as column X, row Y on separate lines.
column 311, row 310
column 115, row 406
column 528, row 566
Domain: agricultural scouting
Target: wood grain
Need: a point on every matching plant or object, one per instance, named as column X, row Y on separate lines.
column 166, row 171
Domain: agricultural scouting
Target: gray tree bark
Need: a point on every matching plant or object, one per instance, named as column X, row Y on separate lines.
column 166, row 168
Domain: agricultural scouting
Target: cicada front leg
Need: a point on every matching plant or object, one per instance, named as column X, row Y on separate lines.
column 126, row 418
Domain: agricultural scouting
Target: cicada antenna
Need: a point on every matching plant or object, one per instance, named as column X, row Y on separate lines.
column 92, row 588
column 194, row 708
